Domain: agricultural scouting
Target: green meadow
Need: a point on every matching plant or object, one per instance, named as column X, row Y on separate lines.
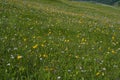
column 59, row 40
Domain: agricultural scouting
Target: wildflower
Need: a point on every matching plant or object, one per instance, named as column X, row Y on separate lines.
column 12, row 56
column 42, row 45
column 103, row 73
column 104, row 69
column 67, row 40
column 113, row 52
column 49, row 33
column 19, row 57
column 98, row 73
column 41, row 59
column 35, row 46
column 76, row 56
column 48, row 68
column 24, row 39
column 15, row 48
column 59, row 77
column 69, row 70
column 8, row 64
column 83, row 71
column 83, row 40
column 113, row 38
column 45, row 55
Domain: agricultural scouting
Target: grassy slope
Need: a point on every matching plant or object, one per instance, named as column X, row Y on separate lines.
column 46, row 40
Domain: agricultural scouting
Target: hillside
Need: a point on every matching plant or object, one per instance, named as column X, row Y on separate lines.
column 59, row 40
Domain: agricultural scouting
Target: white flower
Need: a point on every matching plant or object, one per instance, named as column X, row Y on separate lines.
column 103, row 69
column 69, row 70
column 12, row 57
column 8, row 64
column 41, row 59
column 59, row 77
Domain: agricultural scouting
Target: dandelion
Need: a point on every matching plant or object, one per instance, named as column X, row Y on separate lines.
column 113, row 51
column 98, row 73
column 35, row 46
column 45, row 55
column 19, row 57
column 66, row 40
column 83, row 40
column 42, row 45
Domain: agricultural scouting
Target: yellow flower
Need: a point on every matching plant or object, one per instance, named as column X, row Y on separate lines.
column 113, row 38
column 49, row 33
column 98, row 73
column 35, row 46
column 45, row 55
column 48, row 68
column 83, row 40
column 67, row 40
column 42, row 45
column 24, row 39
column 113, row 51
column 19, row 57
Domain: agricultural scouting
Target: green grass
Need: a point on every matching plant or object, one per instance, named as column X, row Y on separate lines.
column 59, row 40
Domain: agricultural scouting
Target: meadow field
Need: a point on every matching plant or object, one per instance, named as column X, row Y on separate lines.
column 59, row 40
